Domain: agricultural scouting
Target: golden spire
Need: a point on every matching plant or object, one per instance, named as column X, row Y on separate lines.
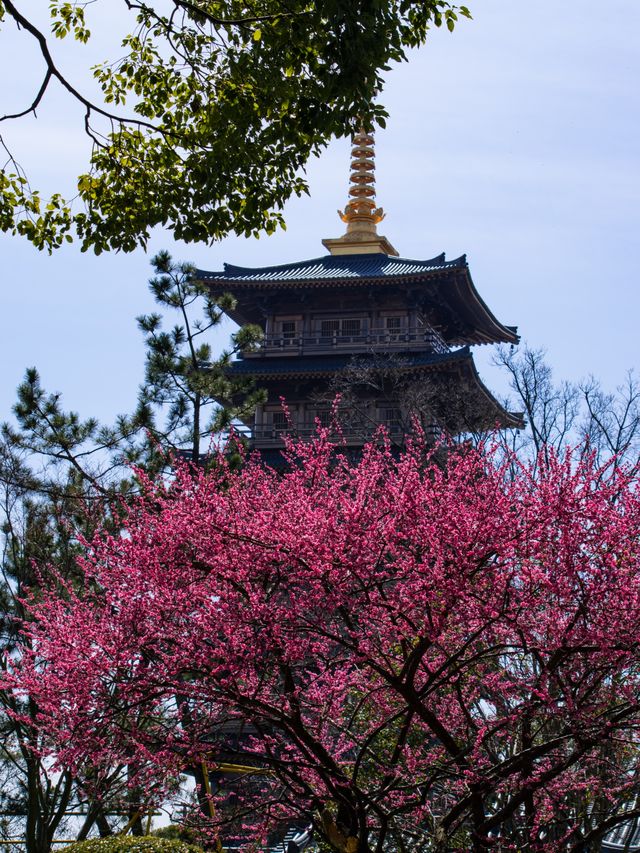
column 361, row 214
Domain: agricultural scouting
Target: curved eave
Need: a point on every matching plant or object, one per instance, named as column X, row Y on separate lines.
column 469, row 303
column 503, row 417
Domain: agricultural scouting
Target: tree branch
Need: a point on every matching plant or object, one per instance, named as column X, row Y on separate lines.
column 53, row 71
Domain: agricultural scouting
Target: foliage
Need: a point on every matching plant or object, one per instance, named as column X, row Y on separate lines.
column 61, row 477
column 418, row 656
column 128, row 844
column 52, row 493
column 177, row 832
column 39, row 514
column 210, row 112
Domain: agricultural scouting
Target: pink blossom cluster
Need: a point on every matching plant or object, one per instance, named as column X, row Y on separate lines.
column 424, row 652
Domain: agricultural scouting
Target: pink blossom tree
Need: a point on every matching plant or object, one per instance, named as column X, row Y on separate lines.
column 414, row 656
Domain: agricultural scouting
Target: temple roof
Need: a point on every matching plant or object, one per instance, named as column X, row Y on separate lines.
column 331, row 268
column 295, row 366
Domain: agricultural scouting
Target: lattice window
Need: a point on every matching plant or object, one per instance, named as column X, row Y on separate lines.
column 289, row 329
column 393, row 324
column 345, row 327
column 351, row 327
column 330, row 328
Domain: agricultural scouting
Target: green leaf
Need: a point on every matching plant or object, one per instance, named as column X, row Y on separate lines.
column 222, row 120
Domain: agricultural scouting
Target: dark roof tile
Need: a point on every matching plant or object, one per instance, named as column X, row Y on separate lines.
column 333, row 267
column 261, row 367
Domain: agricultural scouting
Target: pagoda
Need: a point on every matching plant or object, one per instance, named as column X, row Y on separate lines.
column 389, row 337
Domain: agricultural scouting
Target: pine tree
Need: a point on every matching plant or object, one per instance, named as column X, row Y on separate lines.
column 179, row 402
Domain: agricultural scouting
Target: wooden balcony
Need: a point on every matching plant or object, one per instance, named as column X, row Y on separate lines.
column 266, row 436
column 372, row 341
column 274, row 436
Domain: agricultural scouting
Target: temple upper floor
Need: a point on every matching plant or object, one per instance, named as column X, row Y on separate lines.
column 315, row 332
column 441, row 291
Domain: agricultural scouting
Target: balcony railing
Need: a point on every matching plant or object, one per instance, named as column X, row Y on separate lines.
column 271, row 436
column 377, row 340
column 274, row 436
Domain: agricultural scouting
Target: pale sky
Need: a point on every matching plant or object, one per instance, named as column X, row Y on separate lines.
column 515, row 140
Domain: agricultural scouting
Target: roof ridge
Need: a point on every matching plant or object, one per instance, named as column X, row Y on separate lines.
column 291, row 264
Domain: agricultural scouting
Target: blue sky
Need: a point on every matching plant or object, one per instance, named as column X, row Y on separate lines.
column 515, row 140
